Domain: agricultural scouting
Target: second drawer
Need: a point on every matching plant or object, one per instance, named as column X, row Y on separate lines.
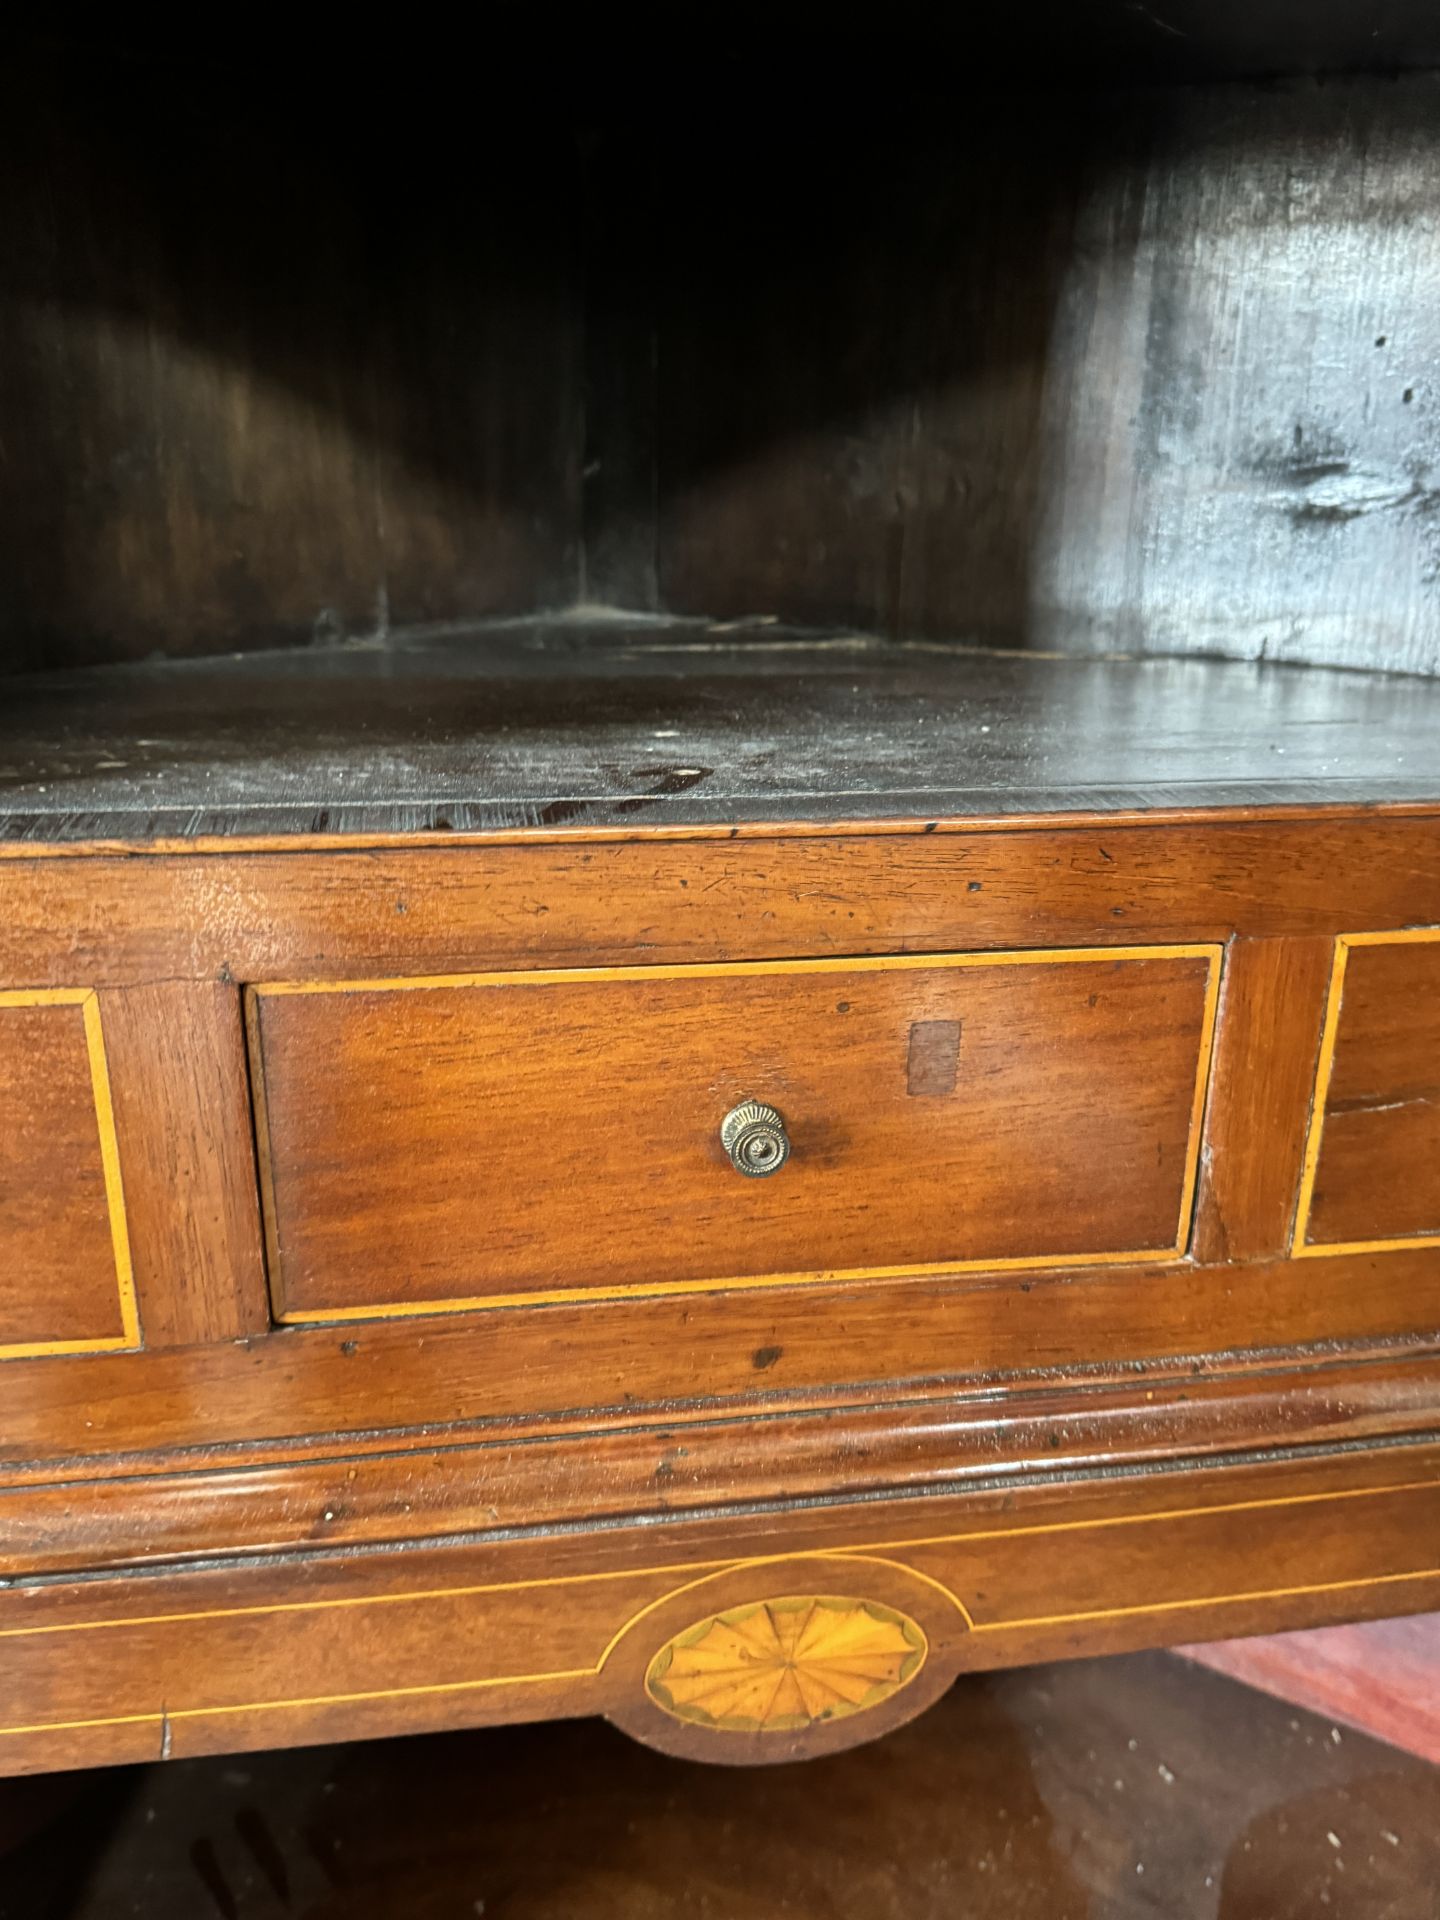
column 444, row 1143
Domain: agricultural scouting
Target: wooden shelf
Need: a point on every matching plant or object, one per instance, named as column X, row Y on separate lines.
column 611, row 724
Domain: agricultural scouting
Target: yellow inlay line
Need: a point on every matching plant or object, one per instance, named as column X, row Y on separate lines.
column 1202, row 1092
column 1301, row 1248
column 1265, row 1503
column 746, row 1283
column 88, row 1002
column 304, row 1703
column 848, row 1555
column 1204, row 1600
column 737, row 969
column 159, row 1719
column 715, row 1568
column 46, row 996
column 1324, row 1249
column 110, row 1162
column 1329, row 1035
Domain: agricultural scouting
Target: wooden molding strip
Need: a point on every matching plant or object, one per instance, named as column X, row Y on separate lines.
column 163, row 844
column 181, row 1511
column 711, row 1355
column 119, row 919
column 905, row 1554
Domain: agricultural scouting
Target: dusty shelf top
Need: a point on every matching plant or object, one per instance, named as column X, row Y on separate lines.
column 610, row 723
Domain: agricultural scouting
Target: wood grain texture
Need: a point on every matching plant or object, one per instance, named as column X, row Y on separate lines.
column 479, row 384
column 885, row 476
column 1375, row 1138
column 660, row 1361
column 65, row 1280
column 1154, row 385
column 750, row 1459
column 438, row 1143
column 455, row 1635
column 353, row 402
column 183, row 1120
column 113, row 920
column 583, row 724
column 1235, row 452
column 1157, row 383
column 1272, row 1014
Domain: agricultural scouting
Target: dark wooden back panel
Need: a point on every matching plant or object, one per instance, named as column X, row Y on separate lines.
column 1078, row 371
column 982, row 375
column 267, row 376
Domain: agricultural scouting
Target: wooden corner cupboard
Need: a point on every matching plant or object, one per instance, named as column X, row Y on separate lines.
column 719, row 934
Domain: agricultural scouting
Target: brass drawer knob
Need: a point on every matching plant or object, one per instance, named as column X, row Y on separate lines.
column 754, row 1136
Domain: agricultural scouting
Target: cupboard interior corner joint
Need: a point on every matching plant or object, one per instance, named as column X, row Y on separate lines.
column 720, row 896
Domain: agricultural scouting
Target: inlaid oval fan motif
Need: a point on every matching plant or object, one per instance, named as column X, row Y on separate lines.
column 780, row 1665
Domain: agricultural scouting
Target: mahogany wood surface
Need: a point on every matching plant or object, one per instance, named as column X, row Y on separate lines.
column 293, row 1650
column 1377, row 1137
column 1225, row 1432
column 1053, row 464
column 64, row 1256
column 185, row 1128
column 385, row 1342
column 1272, row 1016
column 693, row 1357
column 119, row 919
column 489, row 1479
column 429, row 1142
column 415, row 382
column 308, row 448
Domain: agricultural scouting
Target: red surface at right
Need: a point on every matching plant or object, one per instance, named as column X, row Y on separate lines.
column 1383, row 1677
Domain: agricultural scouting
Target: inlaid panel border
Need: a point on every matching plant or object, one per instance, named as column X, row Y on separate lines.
column 1211, row 953
column 885, row 1553
column 1302, row 1248
column 86, row 999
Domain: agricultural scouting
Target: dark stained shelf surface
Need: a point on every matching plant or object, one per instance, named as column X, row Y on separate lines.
column 614, row 723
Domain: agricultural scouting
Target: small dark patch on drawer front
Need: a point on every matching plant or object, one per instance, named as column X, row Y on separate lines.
column 934, row 1058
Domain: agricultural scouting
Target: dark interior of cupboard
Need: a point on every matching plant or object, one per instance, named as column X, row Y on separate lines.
column 1112, row 328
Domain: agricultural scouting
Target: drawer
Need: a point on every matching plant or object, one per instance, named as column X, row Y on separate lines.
column 65, row 1283
column 468, row 1141
column 1372, row 1167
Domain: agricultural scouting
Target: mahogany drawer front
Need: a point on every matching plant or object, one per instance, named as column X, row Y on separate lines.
column 471, row 1140
column 1372, row 1174
column 65, row 1284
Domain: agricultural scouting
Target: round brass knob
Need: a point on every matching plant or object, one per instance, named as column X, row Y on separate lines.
column 754, row 1136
